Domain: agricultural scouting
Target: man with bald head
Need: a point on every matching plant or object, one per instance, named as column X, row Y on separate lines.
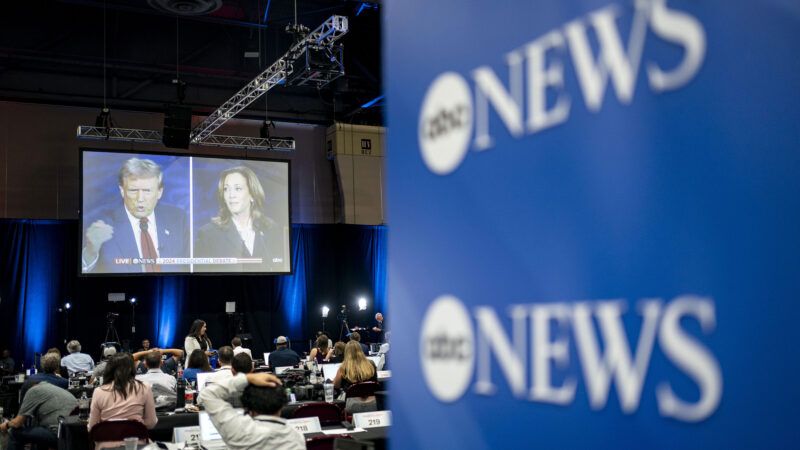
column 130, row 237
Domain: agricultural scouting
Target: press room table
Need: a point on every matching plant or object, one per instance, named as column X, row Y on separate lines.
column 378, row 436
column 75, row 436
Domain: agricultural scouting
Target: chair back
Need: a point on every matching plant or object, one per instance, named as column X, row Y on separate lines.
column 118, row 430
column 328, row 413
column 363, row 389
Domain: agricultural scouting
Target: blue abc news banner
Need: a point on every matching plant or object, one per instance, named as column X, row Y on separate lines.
column 595, row 223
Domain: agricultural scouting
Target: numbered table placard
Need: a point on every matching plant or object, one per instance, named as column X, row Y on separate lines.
column 372, row 419
column 305, row 425
column 189, row 435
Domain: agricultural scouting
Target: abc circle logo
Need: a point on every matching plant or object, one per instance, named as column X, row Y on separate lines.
column 446, row 348
column 445, row 123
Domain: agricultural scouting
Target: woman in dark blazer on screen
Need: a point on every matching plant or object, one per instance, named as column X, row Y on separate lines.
column 241, row 229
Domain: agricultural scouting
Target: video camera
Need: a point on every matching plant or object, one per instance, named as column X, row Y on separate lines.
column 342, row 315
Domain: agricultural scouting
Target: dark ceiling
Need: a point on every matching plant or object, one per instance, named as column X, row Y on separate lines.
column 52, row 52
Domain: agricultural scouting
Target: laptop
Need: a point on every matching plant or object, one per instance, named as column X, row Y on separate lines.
column 329, row 370
column 280, row 370
column 202, row 380
column 209, row 436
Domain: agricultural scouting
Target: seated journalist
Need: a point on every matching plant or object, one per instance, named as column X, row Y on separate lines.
column 160, row 383
column 283, row 356
column 50, row 363
column 262, row 426
column 122, row 397
column 76, row 361
column 43, row 403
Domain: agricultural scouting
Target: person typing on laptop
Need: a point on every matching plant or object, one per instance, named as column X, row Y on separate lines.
column 262, row 426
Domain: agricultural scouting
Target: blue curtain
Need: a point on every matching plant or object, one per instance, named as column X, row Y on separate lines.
column 31, row 266
column 39, row 272
column 292, row 288
column 168, row 297
column 376, row 262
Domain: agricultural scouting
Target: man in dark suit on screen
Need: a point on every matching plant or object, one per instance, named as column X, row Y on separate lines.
column 130, row 238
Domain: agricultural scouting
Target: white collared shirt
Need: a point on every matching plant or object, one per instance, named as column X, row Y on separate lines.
column 240, row 349
column 137, row 230
column 157, row 377
column 221, row 374
column 242, row 432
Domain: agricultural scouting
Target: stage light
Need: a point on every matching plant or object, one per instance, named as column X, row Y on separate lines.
column 67, row 305
column 325, row 311
column 133, row 300
column 362, row 304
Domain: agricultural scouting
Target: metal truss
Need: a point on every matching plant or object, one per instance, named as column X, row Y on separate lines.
column 154, row 137
column 323, row 36
column 119, row 134
column 278, row 144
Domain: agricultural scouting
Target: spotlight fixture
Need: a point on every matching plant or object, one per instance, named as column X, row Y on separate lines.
column 325, row 311
column 104, row 120
column 362, row 304
column 67, row 305
column 133, row 300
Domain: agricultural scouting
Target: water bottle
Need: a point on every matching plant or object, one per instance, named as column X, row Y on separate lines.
column 312, row 378
column 328, row 391
column 83, row 406
column 180, row 371
column 180, row 399
column 315, row 372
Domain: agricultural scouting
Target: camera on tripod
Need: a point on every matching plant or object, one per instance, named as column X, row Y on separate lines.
column 342, row 315
column 111, row 331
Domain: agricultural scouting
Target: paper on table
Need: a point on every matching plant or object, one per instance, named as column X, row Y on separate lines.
column 343, row 431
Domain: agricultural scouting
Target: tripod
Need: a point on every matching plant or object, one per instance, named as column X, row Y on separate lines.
column 342, row 316
column 111, row 331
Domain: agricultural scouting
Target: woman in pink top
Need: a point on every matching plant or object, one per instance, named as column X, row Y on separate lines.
column 122, row 397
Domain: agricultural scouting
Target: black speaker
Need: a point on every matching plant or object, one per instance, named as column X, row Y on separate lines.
column 177, row 126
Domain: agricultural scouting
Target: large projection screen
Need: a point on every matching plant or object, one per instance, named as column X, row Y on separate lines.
column 153, row 214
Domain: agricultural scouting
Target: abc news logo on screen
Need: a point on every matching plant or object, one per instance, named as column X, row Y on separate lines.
column 533, row 356
column 533, row 98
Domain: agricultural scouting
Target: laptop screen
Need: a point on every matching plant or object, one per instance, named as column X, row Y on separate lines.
column 202, row 380
column 280, row 370
column 208, row 432
column 266, row 358
column 329, row 370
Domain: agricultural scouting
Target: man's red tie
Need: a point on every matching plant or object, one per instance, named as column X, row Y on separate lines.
column 148, row 249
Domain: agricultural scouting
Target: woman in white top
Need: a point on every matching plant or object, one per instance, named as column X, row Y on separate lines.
column 197, row 339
